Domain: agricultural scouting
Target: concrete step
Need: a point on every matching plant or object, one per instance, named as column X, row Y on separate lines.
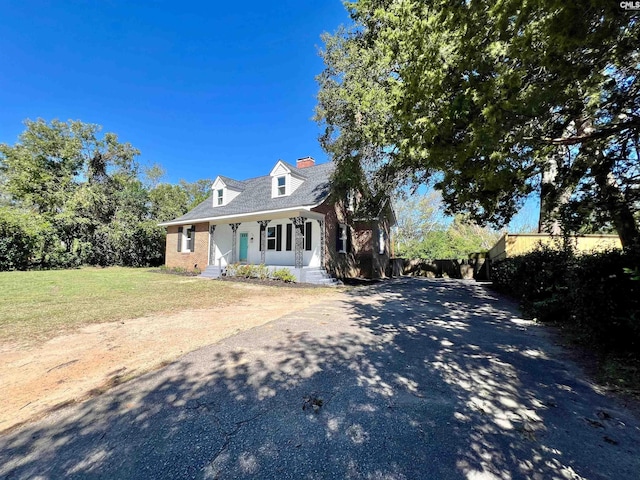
column 329, row 282
column 212, row 271
column 319, row 276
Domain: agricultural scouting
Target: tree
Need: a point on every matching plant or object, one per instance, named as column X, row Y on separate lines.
column 423, row 231
column 82, row 194
column 491, row 100
column 171, row 201
column 417, row 216
column 168, row 202
column 154, row 175
column 197, row 192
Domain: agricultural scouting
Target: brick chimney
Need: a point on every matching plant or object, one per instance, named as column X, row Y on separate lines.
column 305, row 162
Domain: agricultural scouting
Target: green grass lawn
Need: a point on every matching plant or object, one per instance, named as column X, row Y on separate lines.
column 38, row 305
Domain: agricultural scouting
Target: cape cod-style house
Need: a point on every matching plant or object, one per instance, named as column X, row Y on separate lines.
column 288, row 218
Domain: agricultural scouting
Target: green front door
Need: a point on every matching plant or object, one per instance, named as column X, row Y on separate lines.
column 244, row 246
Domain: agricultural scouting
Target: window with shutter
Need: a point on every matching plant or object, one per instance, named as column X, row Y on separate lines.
column 381, row 241
column 186, row 238
column 192, row 239
column 341, row 238
column 271, row 238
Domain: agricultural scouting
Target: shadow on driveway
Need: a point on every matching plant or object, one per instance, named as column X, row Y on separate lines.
column 411, row 378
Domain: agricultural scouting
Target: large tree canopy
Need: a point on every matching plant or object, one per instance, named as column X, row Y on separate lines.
column 490, row 101
column 71, row 195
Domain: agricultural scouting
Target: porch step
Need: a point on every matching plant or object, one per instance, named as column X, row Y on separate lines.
column 212, row 271
column 319, row 276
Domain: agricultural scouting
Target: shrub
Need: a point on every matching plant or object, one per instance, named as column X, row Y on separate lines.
column 27, row 241
column 593, row 294
column 539, row 280
column 605, row 300
column 243, row 271
column 260, row 271
column 18, row 240
column 283, row 274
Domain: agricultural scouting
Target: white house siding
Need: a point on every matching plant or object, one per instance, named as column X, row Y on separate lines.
column 312, row 257
column 223, row 243
column 222, row 240
column 230, row 194
column 295, row 182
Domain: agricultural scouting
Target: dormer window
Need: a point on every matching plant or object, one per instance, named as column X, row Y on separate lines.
column 284, row 180
column 225, row 190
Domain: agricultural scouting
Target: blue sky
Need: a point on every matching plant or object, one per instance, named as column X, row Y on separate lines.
column 202, row 88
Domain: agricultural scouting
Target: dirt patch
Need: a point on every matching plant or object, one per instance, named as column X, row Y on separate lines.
column 71, row 367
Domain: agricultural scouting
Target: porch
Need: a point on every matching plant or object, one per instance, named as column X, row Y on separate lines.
column 281, row 241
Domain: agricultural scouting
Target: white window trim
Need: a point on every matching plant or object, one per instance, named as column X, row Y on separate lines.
column 219, row 197
column 382, row 247
column 283, row 186
column 343, row 238
column 274, row 238
column 185, row 238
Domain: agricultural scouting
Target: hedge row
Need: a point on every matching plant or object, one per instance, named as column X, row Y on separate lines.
column 28, row 241
column 597, row 295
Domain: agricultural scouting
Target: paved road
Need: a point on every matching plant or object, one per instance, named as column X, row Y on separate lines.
column 410, row 379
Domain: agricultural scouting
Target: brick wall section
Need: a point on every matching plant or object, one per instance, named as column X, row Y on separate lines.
column 339, row 264
column 362, row 237
column 363, row 260
column 363, row 243
column 381, row 265
column 188, row 260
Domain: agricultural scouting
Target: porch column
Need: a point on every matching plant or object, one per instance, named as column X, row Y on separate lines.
column 234, row 242
column 212, row 245
column 298, row 223
column 322, row 240
column 263, row 240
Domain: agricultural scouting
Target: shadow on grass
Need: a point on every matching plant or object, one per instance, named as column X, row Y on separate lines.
column 411, row 378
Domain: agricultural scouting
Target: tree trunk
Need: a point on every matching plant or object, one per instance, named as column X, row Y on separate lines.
column 553, row 195
column 616, row 205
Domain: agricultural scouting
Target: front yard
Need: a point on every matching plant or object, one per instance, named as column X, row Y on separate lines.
column 69, row 334
column 38, row 305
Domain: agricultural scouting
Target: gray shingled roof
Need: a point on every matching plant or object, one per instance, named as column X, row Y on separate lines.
column 234, row 184
column 256, row 195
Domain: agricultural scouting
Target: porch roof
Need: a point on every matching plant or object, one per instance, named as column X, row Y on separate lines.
column 253, row 216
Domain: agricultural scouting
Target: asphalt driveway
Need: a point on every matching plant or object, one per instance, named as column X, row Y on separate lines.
column 409, row 379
